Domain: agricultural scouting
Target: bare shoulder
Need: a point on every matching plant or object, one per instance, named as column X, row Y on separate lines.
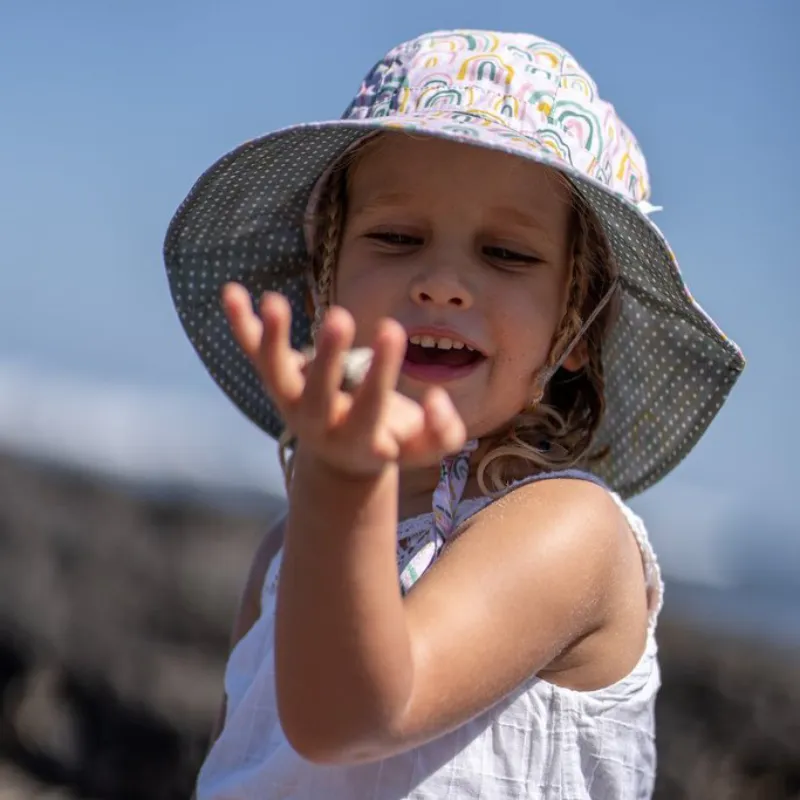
column 598, row 572
column 578, row 526
column 569, row 512
column 565, row 533
column 544, row 577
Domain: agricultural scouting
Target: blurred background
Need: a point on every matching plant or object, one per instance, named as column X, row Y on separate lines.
column 132, row 494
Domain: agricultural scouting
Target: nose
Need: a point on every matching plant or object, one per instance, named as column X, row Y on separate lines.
column 443, row 288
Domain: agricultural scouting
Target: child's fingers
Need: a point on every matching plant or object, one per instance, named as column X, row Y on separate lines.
column 246, row 327
column 444, row 423
column 324, row 375
column 278, row 364
column 371, row 421
column 443, row 432
column 404, row 418
column 389, row 350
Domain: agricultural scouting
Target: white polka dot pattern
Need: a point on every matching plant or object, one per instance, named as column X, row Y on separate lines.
column 668, row 367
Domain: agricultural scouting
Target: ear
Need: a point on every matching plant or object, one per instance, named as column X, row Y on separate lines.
column 578, row 357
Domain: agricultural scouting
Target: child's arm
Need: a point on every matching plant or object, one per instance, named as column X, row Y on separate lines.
column 363, row 674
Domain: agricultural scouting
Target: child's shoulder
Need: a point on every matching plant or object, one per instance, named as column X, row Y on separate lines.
column 576, row 563
column 577, row 514
column 591, row 509
column 566, row 501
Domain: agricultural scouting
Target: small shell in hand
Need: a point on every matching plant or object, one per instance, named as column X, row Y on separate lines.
column 356, row 365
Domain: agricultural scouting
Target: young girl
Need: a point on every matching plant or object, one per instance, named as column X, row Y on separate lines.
column 459, row 605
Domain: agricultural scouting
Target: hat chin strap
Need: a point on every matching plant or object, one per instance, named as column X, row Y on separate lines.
column 547, row 375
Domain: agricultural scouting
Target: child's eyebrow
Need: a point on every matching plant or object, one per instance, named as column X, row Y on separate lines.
column 382, row 200
column 507, row 215
column 517, row 217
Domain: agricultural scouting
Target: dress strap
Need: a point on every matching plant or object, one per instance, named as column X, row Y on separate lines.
column 453, row 476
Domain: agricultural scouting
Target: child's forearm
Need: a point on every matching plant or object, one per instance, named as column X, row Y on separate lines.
column 343, row 654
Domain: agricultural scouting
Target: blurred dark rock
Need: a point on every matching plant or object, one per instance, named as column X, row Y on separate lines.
column 115, row 609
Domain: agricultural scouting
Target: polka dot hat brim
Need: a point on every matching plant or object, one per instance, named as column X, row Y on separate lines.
column 668, row 367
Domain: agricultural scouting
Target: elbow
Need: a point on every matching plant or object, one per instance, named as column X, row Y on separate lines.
column 339, row 739
column 351, row 717
column 316, row 749
column 312, row 739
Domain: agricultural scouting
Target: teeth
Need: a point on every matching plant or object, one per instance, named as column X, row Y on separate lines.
column 443, row 343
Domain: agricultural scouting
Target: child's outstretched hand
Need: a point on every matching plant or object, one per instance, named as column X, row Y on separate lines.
column 359, row 433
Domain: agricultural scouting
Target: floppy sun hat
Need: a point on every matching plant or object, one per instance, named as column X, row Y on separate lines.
column 668, row 367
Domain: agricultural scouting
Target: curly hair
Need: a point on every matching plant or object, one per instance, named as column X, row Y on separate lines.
column 558, row 430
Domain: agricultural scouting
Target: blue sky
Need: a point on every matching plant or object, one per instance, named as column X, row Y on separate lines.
column 111, row 110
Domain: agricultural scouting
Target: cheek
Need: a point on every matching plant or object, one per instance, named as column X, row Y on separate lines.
column 528, row 321
column 366, row 286
column 351, row 282
column 367, row 295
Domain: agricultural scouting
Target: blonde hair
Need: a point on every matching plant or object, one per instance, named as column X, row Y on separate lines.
column 558, row 430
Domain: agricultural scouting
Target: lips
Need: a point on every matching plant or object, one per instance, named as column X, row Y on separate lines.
column 444, row 337
column 446, row 357
column 440, row 355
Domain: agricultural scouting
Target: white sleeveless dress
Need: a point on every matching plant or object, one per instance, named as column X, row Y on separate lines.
column 543, row 741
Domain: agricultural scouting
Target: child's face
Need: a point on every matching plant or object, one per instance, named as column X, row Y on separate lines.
column 463, row 244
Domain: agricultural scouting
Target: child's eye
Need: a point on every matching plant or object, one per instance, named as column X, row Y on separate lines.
column 395, row 239
column 510, row 256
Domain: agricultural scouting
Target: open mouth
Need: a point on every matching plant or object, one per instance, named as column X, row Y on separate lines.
column 439, row 358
